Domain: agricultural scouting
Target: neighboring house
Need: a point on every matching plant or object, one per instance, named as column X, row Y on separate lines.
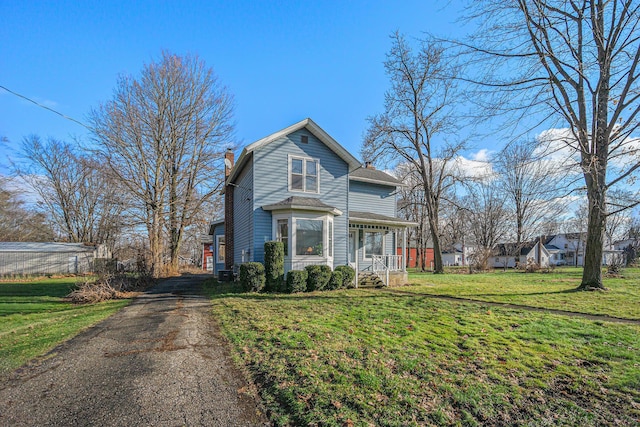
column 458, row 255
column 213, row 250
column 621, row 245
column 504, row 257
column 301, row 187
column 49, row 258
column 568, row 248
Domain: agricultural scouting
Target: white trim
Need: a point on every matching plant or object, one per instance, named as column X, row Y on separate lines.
column 276, row 231
column 290, row 158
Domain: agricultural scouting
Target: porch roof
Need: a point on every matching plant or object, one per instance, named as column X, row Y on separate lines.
column 374, row 218
column 302, row 203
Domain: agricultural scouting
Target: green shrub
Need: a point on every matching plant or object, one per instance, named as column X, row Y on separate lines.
column 318, row 277
column 348, row 275
column 252, row 276
column 274, row 266
column 335, row 282
column 296, row 281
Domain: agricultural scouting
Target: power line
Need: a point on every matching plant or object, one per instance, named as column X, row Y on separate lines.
column 45, row 107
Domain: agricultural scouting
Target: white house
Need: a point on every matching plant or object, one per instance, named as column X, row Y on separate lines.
column 510, row 255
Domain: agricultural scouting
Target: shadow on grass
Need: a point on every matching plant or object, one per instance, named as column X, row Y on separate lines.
column 521, row 294
column 35, row 290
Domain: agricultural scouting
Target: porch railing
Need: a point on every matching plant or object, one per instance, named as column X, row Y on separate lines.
column 383, row 264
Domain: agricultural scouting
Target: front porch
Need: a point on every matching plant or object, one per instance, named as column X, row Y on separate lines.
column 374, row 241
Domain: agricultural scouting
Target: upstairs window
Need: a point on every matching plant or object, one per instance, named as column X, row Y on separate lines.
column 304, row 174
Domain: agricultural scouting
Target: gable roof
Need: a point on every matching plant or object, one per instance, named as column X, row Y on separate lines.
column 312, row 127
column 374, row 176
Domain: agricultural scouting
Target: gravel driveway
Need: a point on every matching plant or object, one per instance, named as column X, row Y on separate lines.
column 158, row 362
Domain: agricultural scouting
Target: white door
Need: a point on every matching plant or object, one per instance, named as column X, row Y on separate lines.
column 353, row 249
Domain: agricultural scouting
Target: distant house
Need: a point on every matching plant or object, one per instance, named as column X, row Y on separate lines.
column 213, row 248
column 49, row 258
column 301, row 187
column 568, row 249
column 509, row 255
column 458, row 255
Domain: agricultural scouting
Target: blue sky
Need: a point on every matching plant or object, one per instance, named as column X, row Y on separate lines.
column 282, row 60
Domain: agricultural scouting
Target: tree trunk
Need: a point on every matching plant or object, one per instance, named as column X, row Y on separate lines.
column 592, row 272
column 438, row 267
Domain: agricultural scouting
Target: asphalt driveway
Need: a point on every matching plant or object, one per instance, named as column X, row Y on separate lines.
column 158, row 362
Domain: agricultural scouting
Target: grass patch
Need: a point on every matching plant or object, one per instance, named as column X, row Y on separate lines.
column 363, row 357
column 555, row 290
column 34, row 318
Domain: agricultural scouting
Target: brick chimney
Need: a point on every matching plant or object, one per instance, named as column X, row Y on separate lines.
column 228, row 210
column 369, row 165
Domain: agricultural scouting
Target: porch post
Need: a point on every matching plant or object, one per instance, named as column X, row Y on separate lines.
column 405, row 258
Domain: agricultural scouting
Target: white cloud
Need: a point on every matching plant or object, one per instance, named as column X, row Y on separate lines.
column 476, row 166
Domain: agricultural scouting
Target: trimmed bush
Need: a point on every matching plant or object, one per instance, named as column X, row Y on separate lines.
column 296, row 281
column 318, row 277
column 335, row 282
column 252, row 276
column 274, row 266
column 348, row 274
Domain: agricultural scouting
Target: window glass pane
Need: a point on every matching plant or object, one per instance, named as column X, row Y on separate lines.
column 296, row 166
column 283, row 234
column 296, row 182
column 311, row 167
column 330, row 248
column 221, row 249
column 312, row 184
column 373, row 244
column 309, row 237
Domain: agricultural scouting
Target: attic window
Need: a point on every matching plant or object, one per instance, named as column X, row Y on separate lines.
column 304, row 139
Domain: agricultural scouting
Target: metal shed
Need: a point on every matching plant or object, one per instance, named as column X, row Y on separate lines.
column 48, row 258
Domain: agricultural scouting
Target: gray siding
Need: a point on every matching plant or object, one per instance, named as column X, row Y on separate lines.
column 272, row 185
column 368, row 197
column 45, row 262
column 243, row 221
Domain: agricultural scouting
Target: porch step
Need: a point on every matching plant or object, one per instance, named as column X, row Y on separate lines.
column 369, row 280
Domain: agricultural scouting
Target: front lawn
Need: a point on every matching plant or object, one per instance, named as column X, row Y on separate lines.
column 367, row 357
column 34, row 318
column 547, row 290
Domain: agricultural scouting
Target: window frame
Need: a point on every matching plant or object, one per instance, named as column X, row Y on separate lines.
column 364, row 244
column 304, row 160
column 218, row 238
column 284, row 239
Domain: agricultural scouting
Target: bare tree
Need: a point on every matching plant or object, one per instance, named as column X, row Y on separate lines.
column 532, row 187
column 75, row 193
column 411, row 206
column 618, row 220
column 487, row 214
column 573, row 63
column 417, row 120
column 163, row 135
column 18, row 223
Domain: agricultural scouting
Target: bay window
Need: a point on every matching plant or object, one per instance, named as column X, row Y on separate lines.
column 309, row 237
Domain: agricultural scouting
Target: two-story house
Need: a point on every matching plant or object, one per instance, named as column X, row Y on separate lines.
column 301, row 187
